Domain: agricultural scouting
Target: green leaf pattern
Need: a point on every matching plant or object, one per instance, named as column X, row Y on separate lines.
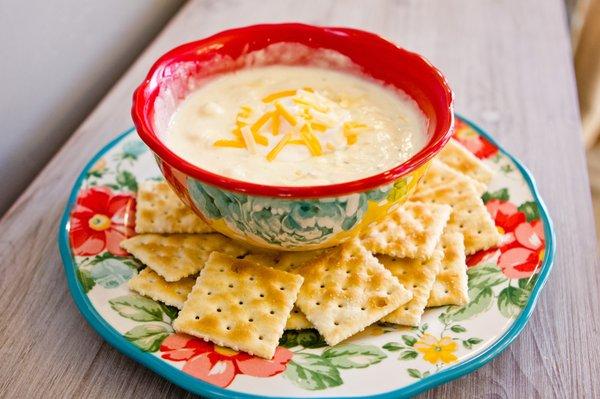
column 312, row 372
column 137, row 308
column 354, row 356
column 149, row 336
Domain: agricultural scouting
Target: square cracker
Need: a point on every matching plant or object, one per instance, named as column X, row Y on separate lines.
column 152, row 285
column 411, row 231
column 459, row 158
column 177, row 256
column 347, row 290
column 239, row 304
column 450, row 287
column 159, row 210
column 290, row 262
column 444, row 185
column 417, row 275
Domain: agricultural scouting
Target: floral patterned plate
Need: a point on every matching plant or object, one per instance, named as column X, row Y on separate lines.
column 382, row 361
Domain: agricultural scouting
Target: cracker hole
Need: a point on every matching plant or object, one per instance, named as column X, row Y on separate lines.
column 219, row 310
column 221, row 270
column 322, row 285
column 251, row 278
column 405, row 308
column 296, row 311
column 282, row 288
column 197, row 317
column 446, row 291
column 230, row 285
column 208, row 293
column 241, row 302
column 262, row 295
column 340, row 305
column 251, row 320
column 415, row 286
column 317, row 303
column 260, row 337
column 363, row 308
column 478, row 231
column 272, row 312
column 344, row 288
column 461, row 225
column 336, row 323
column 228, row 327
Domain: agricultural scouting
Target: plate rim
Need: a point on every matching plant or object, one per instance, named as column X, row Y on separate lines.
column 197, row 386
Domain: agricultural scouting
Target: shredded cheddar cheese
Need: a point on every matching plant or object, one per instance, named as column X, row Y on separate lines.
column 278, row 95
column 311, row 141
column 285, row 114
column 261, row 121
column 303, row 112
column 279, row 146
column 230, row 143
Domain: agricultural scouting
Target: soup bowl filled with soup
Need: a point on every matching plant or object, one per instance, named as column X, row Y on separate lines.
column 290, row 136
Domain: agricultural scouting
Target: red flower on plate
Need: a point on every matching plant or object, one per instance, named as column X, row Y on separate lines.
column 219, row 365
column 100, row 221
column 521, row 248
column 473, row 141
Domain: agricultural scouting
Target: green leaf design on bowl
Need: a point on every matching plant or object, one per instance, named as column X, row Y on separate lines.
column 282, row 221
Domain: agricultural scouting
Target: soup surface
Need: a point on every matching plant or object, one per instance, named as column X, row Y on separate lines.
column 296, row 126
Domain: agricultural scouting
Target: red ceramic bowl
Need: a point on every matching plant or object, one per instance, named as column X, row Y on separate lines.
column 175, row 74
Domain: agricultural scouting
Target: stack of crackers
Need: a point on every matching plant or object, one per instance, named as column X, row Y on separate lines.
column 244, row 298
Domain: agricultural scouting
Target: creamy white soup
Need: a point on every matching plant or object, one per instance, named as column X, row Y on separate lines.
column 296, row 126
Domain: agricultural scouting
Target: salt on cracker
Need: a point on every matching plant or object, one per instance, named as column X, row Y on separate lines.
column 239, row 304
column 418, row 276
column 177, row 256
column 444, row 185
column 459, row 158
column 152, row 285
column 450, row 287
column 159, row 210
column 411, row 231
column 347, row 290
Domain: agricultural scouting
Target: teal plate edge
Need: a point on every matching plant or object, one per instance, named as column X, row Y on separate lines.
column 205, row 389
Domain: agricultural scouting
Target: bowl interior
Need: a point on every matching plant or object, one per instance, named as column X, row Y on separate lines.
column 184, row 68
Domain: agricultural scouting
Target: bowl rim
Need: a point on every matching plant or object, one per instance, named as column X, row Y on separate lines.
column 146, row 132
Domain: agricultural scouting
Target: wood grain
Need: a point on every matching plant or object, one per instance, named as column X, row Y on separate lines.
column 509, row 63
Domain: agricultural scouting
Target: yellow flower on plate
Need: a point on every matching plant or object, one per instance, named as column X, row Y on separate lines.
column 435, row 351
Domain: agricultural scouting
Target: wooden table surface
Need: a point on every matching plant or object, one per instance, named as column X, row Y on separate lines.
column 509, row 63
